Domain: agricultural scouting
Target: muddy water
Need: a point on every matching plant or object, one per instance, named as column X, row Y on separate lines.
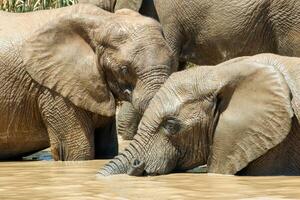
column 30, row 180
column 77, row 180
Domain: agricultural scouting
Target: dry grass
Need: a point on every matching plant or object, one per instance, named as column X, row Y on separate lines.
column 33, row 5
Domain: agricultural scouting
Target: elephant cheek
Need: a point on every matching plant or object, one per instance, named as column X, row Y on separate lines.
column 137, row 168
column 195, row 148
column 160, row 167
column 162, row 160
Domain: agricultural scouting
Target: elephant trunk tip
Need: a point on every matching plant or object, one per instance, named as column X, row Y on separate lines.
column 103, row 173
column 113, row 167
column 106, row 170
column 136, row 168
column 121, row 164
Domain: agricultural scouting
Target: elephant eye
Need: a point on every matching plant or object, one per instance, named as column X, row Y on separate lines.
column 124, row 70
column 171, row 126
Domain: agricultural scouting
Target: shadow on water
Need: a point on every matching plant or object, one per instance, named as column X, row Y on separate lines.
column 41, row 155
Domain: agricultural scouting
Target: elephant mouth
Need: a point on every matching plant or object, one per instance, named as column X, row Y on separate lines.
column 137, row 168
column 128, row 94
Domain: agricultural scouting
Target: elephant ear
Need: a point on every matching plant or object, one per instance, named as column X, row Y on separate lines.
column 129, row 4
column 60, row 58
column 289, row 68
column 255, row 116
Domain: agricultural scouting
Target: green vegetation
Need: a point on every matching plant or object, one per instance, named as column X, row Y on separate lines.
column 33, row 5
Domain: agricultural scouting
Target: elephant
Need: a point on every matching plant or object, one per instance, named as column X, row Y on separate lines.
column 240, row 117
column 210, row 32
column 127, row 120
column 62, row 71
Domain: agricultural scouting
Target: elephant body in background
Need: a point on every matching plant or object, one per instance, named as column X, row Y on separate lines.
column 238, row 117
column 210, row 32
column 62, row 71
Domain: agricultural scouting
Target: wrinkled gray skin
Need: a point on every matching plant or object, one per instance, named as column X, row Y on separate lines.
column 62, row 71
column 208, row 32
column 211, row 31
column 127, row 120
column 239, row 117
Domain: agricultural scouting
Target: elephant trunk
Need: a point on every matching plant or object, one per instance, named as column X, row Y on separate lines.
column 150, row 82
column 127, row 120
column 125, row 162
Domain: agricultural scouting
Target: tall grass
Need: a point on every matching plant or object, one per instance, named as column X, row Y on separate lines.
column 33, row 5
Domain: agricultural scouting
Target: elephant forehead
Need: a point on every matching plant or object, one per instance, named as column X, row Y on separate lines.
column 192, row 84
column 161, row 106
column 167, row 101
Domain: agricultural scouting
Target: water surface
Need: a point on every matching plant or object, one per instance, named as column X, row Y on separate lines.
column 77, row 180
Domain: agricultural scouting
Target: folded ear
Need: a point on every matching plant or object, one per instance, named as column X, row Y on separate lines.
column 129, row 4
column 60, row 58
column 255, row 116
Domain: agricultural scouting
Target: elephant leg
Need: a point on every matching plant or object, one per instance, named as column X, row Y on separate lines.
column 70, row 129
column 106, row 141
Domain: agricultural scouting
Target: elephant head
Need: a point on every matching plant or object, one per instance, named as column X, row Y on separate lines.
column 93, row 59
column 225, row 116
